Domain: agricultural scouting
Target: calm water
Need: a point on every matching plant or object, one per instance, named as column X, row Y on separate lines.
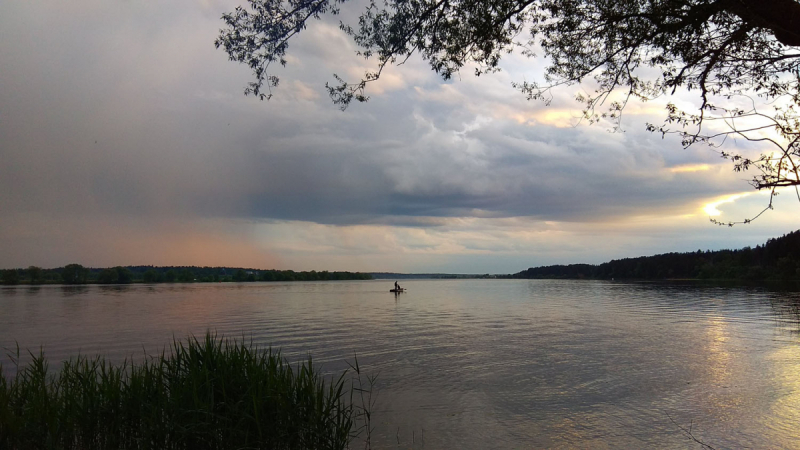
column 482, row 363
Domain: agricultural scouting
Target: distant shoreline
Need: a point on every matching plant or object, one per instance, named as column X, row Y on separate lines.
column 76, row 274
column 777, row 260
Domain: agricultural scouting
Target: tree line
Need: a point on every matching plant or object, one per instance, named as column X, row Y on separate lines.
column 78, row 274
column 777, row 259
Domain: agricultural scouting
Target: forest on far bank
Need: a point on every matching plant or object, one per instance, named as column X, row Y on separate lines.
column 77, row 274
column 777, row 259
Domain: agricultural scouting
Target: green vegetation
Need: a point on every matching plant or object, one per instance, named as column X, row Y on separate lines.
column 74, row 274
column 35, row 274
column 10, row 276
column 77, row 274
column 206, row 394
column 151, row 276
column 777, row 259
column 116, row 275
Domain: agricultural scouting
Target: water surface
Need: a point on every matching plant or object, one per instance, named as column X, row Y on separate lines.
column 481, row 363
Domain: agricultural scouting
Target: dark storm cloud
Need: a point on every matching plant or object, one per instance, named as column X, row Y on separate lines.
column 143, row 117
column 498, row 170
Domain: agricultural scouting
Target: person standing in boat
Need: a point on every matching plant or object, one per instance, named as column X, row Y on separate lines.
column 396, row 286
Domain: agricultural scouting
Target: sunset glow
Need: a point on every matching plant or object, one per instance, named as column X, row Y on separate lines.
column 690, row 168
column 711, row 208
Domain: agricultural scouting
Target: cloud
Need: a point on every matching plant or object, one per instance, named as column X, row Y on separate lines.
column 124, row 113
column 158, row 136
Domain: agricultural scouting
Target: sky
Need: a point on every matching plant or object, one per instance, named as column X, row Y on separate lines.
column 125, row 139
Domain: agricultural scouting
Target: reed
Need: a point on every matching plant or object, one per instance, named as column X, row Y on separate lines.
column 213, row 393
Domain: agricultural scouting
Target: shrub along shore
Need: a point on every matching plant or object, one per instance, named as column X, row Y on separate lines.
column 212, row 393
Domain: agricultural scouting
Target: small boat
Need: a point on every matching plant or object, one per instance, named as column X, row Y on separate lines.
column 397, row 290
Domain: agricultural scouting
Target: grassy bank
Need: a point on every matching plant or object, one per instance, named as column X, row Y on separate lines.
column 212, row 393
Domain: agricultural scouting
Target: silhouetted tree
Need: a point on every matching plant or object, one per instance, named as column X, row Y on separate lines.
column 641, row 49
column 74, row 274
column 10, row 276
column 52, row 276
column 185, row 276
column 778, row 259
column 170, row 276
column 150, row 276
column 35, row 274
column 107, row 276
column 124, row 276
column 239, row 275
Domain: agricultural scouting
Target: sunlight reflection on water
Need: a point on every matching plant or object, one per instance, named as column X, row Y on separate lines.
column 481, row 363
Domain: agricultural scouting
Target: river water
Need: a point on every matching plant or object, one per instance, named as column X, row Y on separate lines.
column 481, row 363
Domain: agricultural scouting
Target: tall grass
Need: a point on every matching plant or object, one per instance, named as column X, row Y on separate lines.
column 212, row 393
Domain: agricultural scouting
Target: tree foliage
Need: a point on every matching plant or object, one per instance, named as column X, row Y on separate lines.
column 151, row 276
column 35, row 274
column 77, row 274
column 777, row 259
column 10, row 276
column 115, row 275
column 74, row 274
column 724, row 50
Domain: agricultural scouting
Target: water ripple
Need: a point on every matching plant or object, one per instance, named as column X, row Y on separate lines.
column 481, row 363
